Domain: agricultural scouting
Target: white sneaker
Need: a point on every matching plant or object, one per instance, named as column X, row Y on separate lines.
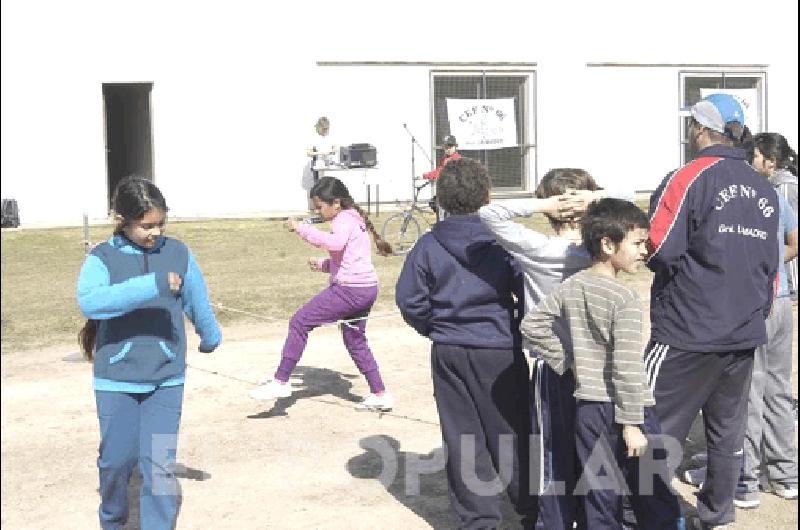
column 746, row 499
column 784, row 491
column 695, row 477
column 271, row 389
column 382, row 403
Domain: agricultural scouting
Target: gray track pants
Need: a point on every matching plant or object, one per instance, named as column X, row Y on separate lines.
column 770, row 423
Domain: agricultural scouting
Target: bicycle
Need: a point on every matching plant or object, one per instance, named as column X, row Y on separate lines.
column 402, row 229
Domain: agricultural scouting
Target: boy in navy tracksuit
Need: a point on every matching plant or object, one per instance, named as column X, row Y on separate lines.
column 458, row 287
column 714, row 252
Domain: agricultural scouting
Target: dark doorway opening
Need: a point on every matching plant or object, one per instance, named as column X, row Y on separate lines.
column 129, row 134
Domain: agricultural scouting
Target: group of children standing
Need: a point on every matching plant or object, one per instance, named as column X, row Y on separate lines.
column 467, row 284
column 487, row 291
column 595, row 396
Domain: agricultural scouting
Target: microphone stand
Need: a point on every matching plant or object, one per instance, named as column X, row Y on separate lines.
column 413, row 168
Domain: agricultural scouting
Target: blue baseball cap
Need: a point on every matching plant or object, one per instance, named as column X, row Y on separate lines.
column 717, row 110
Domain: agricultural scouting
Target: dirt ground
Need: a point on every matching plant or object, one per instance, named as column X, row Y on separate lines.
column 308, row 461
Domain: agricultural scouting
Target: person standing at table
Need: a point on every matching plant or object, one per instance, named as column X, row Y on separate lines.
column 321, row 153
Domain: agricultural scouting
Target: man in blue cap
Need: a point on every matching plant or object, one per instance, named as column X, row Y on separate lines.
column 714, row 252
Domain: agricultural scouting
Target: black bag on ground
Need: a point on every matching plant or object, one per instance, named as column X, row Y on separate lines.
column 10, row 214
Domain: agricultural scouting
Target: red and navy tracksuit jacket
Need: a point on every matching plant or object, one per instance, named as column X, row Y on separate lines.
column 714, row 252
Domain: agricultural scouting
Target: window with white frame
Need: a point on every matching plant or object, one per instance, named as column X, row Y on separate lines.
column 513, row 168
column 748, row 86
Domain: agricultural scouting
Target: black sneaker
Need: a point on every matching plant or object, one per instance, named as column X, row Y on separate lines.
column 698, row 524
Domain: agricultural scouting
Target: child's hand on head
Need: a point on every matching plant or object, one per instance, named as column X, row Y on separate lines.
column 635, row 440
column 550, row 206
column 573, row 203
column 175, row 282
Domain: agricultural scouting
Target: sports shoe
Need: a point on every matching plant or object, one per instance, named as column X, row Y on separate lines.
column 699, row 459
column 746, row 499
column 698, row 524
column 271, row 389
column 695, row 477
column 783, row 491
column 382, row 403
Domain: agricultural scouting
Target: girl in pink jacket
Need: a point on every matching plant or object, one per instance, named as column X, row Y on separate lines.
column 352, row 291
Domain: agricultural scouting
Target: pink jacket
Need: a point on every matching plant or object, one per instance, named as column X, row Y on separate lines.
column 350, row 246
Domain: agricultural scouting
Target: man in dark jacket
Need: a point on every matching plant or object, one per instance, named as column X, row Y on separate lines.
column 714, row 252
column 462, row 290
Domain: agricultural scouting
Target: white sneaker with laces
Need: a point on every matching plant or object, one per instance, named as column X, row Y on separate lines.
column 382, row 403
column 695, row 477
column 271, row 389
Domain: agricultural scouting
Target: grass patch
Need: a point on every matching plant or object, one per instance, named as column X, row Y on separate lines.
column 252, row 265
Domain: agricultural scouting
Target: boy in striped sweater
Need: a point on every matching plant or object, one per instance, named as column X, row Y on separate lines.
column 603, row 320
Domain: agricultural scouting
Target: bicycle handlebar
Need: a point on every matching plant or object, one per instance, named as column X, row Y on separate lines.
column 422, row 185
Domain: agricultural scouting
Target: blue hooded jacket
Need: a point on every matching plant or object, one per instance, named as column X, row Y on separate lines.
column 141, row 341
column 456, row 286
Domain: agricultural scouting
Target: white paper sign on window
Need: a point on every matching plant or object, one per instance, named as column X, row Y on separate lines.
column 747, row 98
column 483, row 123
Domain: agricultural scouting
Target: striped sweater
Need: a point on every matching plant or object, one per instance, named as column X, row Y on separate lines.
column 604, row 322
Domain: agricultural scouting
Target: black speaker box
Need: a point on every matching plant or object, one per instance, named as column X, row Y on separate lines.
column 358, row 155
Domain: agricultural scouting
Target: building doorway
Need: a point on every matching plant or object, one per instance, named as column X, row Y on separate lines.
column 128, row 132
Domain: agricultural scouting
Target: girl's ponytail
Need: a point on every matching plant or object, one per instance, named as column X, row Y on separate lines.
column 87, row 337
column 384, row 248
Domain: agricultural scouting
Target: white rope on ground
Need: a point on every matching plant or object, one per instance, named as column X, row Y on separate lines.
column 345, row 322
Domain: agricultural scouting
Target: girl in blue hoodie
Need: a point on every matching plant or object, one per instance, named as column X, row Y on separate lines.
column 135, row 289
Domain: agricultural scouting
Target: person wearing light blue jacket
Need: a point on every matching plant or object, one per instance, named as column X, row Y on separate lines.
column 135, row 288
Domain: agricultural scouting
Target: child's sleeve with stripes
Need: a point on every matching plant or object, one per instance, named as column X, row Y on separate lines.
column 537, row 328
column 627, row 367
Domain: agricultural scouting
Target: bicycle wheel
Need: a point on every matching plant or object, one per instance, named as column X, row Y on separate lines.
column 401, row 230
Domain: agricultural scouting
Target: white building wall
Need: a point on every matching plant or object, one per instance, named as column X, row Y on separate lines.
column 370, row 104
column 237, row 88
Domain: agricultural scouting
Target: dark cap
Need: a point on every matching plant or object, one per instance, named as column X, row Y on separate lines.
column 449, row 140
